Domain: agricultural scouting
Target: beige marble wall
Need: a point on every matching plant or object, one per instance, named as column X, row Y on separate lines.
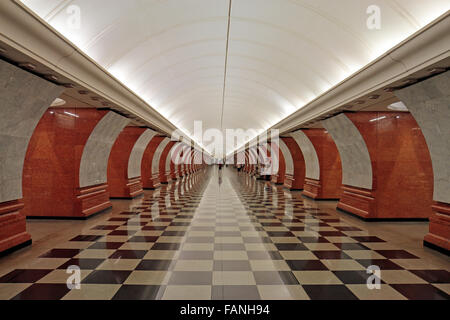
column 24, row 99
column 170, row 155
column 429, row 103
column 134, row 163
column 355, row 158
column 312, row 167
column 186, row 150
column 94, row 161
column 287, row 157
column 157, row 155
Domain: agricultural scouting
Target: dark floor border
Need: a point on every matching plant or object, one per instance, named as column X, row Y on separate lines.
column 68, row 218
column 383, row 219
column 15, row 248
column 435, row 247
column 127, row 198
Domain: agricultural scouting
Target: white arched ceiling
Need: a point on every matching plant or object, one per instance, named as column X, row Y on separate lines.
column 281, row 53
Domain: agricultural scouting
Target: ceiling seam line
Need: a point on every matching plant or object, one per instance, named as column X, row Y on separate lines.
column 226, row 63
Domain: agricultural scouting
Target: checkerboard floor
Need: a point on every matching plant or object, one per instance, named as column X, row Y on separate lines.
column 230, row 237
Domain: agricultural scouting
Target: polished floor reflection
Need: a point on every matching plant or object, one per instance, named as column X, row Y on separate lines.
column 224, row 235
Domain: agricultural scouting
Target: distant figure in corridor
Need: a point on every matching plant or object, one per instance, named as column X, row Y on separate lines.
column 220, row 173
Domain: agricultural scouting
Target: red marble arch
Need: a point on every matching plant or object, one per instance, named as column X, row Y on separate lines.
column 176, row 163
column 150, row 180
column 251, row 161
column 255, row 156
column 401, row 165
column 178, row 169
column 235, row 159
column 119, row 184
column 298, row 179
column 52, row 165
column 193, row 165
column 184, row 164
column 165, row 176
column 188, row 161
column 329, row 184
column 246, row 162
column 198, row 157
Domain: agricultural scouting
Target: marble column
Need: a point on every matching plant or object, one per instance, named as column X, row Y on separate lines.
column 324, row 173
column 289, row 163
column 280, row 153
column 174, row 161
column 297, row 180
column 94, row 163
column 150, row 162
column 25, row 97
column 124, row 164
column 312, row 167
column 429, row 103
column 385, row 165
column 164, row 163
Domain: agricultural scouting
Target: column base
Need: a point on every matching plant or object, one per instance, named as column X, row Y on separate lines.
column 165, row 178
column 134, row 187
column 288, row 179
column 439, row 233
column 15, row 248
column 152, row 183
column 436, row 247
column 91, row 200
column 360, row 202
column 275, row 178
column 13, row 231
column 312, row 188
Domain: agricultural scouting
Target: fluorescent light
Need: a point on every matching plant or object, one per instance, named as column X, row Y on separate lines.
column 71, row 114
column 376, row 119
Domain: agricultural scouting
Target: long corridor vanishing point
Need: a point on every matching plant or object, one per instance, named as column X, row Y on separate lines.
column 224, row 159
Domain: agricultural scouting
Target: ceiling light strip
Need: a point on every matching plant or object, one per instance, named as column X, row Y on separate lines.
column 226, row 64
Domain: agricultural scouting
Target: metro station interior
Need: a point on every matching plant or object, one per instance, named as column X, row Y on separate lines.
column 119, row 179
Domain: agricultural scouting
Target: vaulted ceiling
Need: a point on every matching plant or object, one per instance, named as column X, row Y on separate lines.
column 233, row 64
